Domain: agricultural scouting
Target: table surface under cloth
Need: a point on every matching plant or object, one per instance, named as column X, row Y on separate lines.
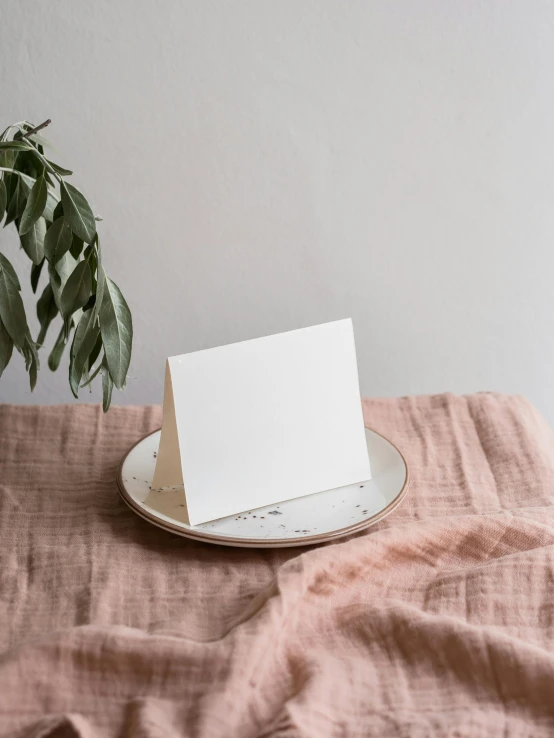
column 439, row 621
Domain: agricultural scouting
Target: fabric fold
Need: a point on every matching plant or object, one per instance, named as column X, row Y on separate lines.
column 437, row 621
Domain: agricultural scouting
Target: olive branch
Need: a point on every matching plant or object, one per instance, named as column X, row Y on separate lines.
column 57, row 230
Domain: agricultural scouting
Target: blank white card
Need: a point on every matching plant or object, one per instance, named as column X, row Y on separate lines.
column 262, row 421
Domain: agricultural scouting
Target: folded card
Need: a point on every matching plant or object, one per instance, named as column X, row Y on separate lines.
column 262, row 421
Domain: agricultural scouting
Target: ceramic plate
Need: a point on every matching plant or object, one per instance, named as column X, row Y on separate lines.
column 313, row 519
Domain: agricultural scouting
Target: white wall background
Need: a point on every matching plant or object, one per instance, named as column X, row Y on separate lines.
column 267, row 165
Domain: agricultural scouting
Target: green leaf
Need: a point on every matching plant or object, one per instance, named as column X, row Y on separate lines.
column 59, row 170
column 6, row 348
column 22, row 196
column 51, row 200
column 25, row 351
column 77, row 289
column 95, row 352
column 100, row 280
column 35, row 163
column 9, row 171
column 107, row 387
column 117, row 332
column 58, row 240
column 17, row 203
column 90, row 302
column 91, row 360
column 30, row 163
column 29, row 352
column 51, row 203
column 94, row 374
column 6, row 265
column 40, row 141
column 59, row 274
column 78, row 212
column 12, row 312
column 15, row 146
column 90, row 256
column 57, row 352
column 84, row 341
column 58, row 211
column 72, row 321
column 33, row 241
column 46, row 312
column 10, row 179
column 31, row 360
column 7, row 158
column 3, row 198
column 76, row 246
column 34, row 208
column 11, row 213
column 36, row 269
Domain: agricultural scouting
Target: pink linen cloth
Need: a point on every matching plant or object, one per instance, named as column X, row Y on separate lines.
column 439, row 621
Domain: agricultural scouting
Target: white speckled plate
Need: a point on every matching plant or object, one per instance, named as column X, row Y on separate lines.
column 313, row 519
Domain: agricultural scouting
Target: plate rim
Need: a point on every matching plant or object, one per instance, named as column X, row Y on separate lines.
column 259, row 542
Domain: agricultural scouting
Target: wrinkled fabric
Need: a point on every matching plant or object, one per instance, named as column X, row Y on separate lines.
column 438, row 621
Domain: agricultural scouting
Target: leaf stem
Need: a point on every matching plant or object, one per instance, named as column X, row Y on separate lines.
column 36, row 129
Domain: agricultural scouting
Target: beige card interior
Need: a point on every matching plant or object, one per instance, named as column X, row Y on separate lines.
column 168, row 472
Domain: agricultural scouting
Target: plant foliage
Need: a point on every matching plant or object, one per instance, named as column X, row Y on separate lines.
column 57, row 231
